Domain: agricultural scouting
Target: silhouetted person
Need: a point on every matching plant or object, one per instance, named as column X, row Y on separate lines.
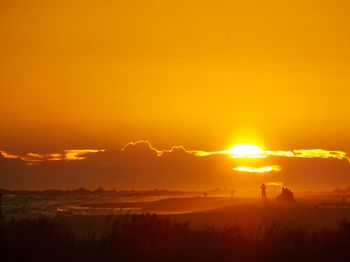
column 263, row 192
column 232, row 192
column 205, row 194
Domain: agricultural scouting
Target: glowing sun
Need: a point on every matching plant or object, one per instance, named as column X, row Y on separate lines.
column 246, row 151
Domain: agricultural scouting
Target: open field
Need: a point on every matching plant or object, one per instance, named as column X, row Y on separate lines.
column 193, row 228
column 219, row 212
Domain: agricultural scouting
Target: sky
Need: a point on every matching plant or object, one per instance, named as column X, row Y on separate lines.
column 205, row 75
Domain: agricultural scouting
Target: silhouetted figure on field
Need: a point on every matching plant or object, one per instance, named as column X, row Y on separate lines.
column 263, row 192
column 205, row 194
column 232, row 193
column 286, row 195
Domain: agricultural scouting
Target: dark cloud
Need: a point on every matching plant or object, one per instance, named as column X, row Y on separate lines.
column 140, row 166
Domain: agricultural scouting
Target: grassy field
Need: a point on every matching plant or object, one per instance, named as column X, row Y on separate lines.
column 152, row 238
column 187, row 229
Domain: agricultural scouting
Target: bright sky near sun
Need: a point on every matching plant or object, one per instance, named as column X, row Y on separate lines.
column 198, row 73
column 246, row 151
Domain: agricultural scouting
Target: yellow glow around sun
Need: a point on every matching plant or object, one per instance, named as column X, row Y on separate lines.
column 246, row 151
column 264, row 169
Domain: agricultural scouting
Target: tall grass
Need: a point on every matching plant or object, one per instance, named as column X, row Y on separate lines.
column 151, row 238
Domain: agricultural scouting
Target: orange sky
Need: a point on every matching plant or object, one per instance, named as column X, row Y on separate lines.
column 197, row 73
